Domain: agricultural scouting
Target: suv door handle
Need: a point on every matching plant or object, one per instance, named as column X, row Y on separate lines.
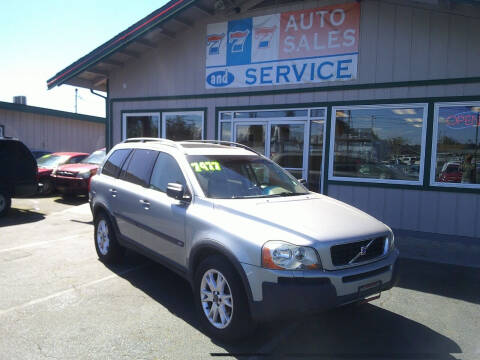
column 113, row 192
column 145, row 203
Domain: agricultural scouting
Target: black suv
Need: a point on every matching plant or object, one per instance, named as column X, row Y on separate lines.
column 18, row 172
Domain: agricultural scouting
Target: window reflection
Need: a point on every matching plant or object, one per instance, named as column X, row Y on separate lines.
column 142, row 126
column 226, row 131
column 270, row 114
column 183, row 126
column 457, row 159
column 286, row 145
column 378, row 143
column 315, row 155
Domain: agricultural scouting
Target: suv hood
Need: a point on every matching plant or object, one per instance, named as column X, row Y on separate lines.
column 301, row 218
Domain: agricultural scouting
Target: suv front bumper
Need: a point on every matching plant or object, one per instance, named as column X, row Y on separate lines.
column 287, row 293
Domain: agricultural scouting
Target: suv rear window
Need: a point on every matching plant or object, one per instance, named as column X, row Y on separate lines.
column 139, row 167
column 17, row 162
column 114, row 163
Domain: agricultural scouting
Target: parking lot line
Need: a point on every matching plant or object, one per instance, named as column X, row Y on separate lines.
column 39, row 243
column 74, row 288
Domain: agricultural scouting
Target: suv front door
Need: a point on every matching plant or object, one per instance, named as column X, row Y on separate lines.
column 164, row 217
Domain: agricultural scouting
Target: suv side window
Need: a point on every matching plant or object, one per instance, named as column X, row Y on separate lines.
column 139, row 167
column 114, row 163
column 166, row 171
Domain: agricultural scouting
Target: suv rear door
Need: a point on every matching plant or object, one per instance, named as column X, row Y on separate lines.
column 132, row 182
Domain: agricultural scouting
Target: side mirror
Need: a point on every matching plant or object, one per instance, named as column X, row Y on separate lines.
column 177, row 191
column 303, row 182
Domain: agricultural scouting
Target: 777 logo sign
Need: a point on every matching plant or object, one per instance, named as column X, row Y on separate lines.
column 264, row 36
column 238, row 39
column 214, row 42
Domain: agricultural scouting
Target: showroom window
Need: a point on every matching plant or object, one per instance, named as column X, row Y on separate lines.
column 183, row 125
column 174, row 125
column 455, row 151
column 141, row 125
column 378, row 143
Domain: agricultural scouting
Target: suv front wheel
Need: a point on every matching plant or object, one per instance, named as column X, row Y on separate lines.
column 5, row 203
column 106, row 244
column 221, row 301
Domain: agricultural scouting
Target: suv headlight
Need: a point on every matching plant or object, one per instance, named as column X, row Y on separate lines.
column 84, row 174
column 391, row 241
column 281, row 255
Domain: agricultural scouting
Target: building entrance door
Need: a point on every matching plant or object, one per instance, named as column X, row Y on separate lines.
column 285, row 142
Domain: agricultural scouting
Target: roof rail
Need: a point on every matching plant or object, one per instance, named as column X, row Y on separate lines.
column 143, row 139
column 223, row 142
column 151, row 139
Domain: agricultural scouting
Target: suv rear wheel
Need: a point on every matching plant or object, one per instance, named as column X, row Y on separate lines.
column 220, row 300
column 106, row 244
column 5, row 203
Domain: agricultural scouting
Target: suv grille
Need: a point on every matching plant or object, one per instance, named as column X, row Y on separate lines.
column 343, row 254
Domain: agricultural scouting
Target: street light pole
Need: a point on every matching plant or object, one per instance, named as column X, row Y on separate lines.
column 76, row 96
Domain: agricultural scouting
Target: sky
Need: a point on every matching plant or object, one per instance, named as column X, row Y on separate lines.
column 40, row 38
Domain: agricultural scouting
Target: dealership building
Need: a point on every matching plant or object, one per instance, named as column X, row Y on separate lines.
column 375, row 103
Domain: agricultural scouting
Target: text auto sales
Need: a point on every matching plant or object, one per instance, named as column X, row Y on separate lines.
column 305, row 54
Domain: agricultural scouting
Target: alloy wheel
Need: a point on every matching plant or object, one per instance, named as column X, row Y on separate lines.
column 103, row 240
column 216, row 298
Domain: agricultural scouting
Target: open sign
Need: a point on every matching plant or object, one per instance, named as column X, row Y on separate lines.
column 463, row 120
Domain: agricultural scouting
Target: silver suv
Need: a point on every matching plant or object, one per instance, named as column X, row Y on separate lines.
column 252, row 241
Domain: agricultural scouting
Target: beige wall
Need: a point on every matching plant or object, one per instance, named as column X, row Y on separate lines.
column 399, row 41
column 39, row 131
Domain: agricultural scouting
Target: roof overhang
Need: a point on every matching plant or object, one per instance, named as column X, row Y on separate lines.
column 93, row 70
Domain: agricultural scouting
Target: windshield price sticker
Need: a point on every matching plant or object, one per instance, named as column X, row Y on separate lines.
column 206, row 166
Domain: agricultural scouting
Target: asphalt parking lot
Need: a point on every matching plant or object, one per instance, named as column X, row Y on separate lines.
column 58, row 301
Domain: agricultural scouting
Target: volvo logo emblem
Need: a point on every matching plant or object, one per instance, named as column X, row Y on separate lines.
column 363, row 251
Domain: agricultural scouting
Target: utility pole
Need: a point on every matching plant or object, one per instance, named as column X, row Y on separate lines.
column 76, row 96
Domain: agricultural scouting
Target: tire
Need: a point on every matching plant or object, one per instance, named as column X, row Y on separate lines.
column 236, row 321
column 5, row 203
column 47, row 188
column 108, row 249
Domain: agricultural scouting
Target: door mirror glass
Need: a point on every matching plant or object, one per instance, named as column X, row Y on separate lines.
column 176, row 191
column 303, row 182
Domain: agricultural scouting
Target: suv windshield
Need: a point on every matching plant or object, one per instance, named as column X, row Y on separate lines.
column 51, row 161
column 233, row 177
column 95, row 158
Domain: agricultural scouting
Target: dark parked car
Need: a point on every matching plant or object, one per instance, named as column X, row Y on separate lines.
column 18, row 174
column 75, row 178
column 48, row 163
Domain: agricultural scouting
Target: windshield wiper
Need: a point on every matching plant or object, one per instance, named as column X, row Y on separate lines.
column 287, row 194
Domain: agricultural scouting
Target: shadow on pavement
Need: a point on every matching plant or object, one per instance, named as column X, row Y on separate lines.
column 351, row 332
column 72, row 200
column 20, row 216
column 453, row 281
column 364, row 332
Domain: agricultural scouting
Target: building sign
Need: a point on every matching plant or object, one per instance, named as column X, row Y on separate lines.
column 295, row 47
column 463, row 120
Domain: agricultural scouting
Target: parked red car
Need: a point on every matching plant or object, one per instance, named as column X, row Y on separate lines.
column 450, row 173
column 75, row 178
column 47, row 163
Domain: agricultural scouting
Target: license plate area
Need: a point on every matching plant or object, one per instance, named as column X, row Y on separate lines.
column 369, row 289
